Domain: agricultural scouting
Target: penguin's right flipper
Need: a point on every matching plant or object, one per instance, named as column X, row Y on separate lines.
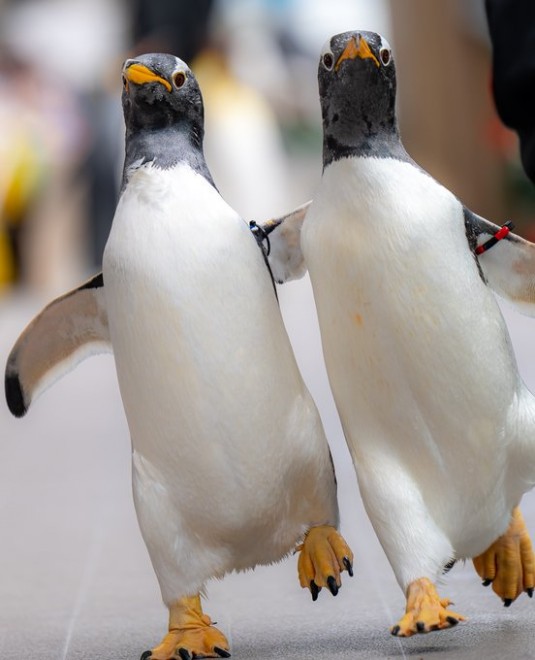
column 508, row 267
column 68, row 330
column 285, row 256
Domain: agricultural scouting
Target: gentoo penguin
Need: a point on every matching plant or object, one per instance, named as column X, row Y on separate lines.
column 439, row 424
column 231, row 467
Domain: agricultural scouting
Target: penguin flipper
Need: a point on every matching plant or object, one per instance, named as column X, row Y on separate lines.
column 509, row 267
column 69, row 329
column 285, row 257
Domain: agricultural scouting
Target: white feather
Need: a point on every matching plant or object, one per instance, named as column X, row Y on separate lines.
column 509, row 268
column 285, row 256
column 60, row 369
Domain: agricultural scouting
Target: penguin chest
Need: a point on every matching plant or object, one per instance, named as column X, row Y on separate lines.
column 200, row 344
column 416, row 350
column 176, row 291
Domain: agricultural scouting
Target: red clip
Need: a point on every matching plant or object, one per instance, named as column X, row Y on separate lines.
column 501, row 233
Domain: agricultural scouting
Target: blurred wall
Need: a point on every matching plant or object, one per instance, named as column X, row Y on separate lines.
column 263, row 117
column 447, row 112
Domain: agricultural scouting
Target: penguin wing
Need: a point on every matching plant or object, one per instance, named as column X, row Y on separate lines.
column 285, row 256
column 509, row 266
column 67, row 331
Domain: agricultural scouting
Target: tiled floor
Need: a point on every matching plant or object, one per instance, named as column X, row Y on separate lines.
column 75, row 579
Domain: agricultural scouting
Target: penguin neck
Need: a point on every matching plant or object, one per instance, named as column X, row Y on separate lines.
column 164, row 148
column 367, row 141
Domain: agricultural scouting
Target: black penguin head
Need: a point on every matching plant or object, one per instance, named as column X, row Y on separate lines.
column 164, row 114
column 357, row 85
column 160, row 91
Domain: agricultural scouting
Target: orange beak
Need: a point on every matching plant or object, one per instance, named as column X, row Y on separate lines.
column 356, row 47
column 140, row 74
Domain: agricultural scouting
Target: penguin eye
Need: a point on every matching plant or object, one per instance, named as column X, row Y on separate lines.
column 385, row 56
column 125, row 84
column 328, row 61
column 179, row 78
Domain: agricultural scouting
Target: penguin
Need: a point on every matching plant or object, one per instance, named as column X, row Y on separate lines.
column 230, row 464
column 440, row 427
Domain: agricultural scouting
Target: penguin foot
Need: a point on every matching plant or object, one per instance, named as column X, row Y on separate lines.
column 324, row 554
column 425, row 611
column 509, row 563
column 191, row 635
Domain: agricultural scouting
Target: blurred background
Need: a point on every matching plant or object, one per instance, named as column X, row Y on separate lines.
column 61, row 155
column 71, row 558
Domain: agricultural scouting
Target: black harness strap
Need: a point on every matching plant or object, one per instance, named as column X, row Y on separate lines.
column 262, row 239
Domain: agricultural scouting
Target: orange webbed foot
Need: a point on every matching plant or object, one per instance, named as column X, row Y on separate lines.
column 191, row 635
column 425, row 611
column 509, row 563
column 324, row 554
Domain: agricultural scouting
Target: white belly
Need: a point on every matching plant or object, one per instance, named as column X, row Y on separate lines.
column 200, row 347
column 416, row 349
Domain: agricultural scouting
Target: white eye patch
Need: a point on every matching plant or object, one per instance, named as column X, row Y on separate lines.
column 327, row 57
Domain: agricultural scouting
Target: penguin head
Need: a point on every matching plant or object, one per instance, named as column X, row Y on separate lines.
column 160, row 91
column 357, row 85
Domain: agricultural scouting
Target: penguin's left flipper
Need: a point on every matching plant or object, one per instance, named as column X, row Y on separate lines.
column 508, row 267
column 285, row 257
column 324, row 554
column 68, row 330
column 425, row 611
column 509, row 563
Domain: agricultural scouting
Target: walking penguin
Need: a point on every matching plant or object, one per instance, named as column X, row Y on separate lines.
column 439, row 424
column 231, row 467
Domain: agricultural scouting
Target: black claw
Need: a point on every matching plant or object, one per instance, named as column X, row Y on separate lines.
column 420, row 626
column 486, row 582
column 395, row 630
column 507, row 602
column 452, row 620
column 530, row 592
column 146, row 655
column 333, row 587
column 349, row 566
column 221, row 652
column 184, row 654
column 314, row 590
